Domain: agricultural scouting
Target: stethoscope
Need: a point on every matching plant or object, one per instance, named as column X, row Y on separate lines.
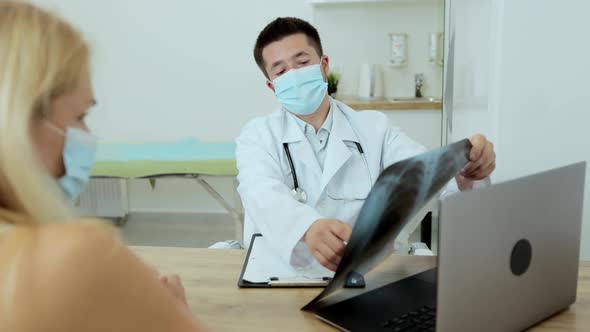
column 298, row 193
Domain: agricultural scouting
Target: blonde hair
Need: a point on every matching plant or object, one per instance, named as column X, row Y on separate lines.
column 41, row 57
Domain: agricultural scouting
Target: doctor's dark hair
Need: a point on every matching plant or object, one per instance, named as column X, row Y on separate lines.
column 284, row 27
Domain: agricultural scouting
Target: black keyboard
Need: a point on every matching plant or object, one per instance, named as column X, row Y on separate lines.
column 419, row 320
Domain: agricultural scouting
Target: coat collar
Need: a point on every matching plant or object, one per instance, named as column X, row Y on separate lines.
column 340, row 128
column 338, row 152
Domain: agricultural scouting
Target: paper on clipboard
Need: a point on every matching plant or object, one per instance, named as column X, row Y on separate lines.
column 264, row 265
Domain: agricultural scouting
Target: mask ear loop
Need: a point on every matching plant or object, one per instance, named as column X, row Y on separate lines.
column 54, row 128
column 75, row 133
column 42, row 109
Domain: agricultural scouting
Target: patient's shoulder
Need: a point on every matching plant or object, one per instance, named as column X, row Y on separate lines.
column 46, row 270
column 66, row 247
column 83, row 278
column 63, row 249
column 54, row 243
column 59, row 239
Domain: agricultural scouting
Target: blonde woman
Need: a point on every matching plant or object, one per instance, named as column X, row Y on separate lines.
column 56, row 275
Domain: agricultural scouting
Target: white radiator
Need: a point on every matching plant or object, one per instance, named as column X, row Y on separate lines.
column 105, row 198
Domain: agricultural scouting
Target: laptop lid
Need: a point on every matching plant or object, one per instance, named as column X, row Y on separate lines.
column 509, row 253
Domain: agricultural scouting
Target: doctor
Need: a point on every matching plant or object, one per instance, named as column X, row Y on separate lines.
column 306, row 169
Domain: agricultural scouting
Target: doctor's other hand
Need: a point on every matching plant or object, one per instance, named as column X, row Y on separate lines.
column 482, row 159
column 325, row 239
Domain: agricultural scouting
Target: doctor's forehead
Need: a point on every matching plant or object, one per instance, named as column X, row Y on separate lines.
column 288, row 48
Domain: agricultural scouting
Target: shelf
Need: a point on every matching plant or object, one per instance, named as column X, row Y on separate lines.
column 335, row 2
column 343, row 2
column 385, row 104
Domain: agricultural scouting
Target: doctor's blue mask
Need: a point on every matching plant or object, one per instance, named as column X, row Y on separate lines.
column 79, row 154
column 301, row 91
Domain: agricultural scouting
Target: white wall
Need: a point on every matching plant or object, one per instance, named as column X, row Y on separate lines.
column 423, row 126
column 538, row 106
column 357, row 33
column 165, row 70
column 543, row 114
column 353, row 34
column 473, row 65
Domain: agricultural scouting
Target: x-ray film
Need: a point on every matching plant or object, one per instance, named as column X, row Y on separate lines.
column 399, row 193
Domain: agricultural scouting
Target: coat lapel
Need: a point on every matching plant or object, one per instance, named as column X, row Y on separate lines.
column 338, row 152
column 301, row 150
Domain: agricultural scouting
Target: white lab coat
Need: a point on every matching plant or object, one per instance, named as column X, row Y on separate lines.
column 265, row 180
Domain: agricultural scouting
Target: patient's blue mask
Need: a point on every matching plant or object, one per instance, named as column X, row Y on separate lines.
column 79, row 154
column 301, row 91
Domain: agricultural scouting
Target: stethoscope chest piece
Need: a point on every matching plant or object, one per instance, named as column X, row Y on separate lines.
column 300, row 195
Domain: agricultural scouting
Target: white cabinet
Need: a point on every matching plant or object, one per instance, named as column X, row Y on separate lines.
column 423, row 126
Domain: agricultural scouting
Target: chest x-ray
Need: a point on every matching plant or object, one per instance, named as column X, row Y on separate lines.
column 400, row 192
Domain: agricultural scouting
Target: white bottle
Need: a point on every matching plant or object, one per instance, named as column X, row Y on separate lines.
column 366, row 81
column 399, row 48
column 434, row 48
column 378, row 82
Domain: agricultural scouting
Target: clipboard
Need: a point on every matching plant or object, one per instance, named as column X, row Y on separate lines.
column 270, row 271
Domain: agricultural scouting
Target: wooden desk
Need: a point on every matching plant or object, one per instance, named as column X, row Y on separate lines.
column 210, row 278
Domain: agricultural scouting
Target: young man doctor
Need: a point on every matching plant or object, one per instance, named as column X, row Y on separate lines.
column 306, row 169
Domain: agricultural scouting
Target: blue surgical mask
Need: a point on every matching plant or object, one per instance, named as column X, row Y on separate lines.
column 79, row 154
column 301, row 91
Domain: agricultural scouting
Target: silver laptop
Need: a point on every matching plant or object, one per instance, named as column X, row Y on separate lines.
column 509, row 254
column 508, row 259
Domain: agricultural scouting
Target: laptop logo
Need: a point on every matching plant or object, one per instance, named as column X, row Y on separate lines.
column 521, row 256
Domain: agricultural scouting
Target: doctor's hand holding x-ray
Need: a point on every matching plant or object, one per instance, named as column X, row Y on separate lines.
column 327, row 238
column 305, row 170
